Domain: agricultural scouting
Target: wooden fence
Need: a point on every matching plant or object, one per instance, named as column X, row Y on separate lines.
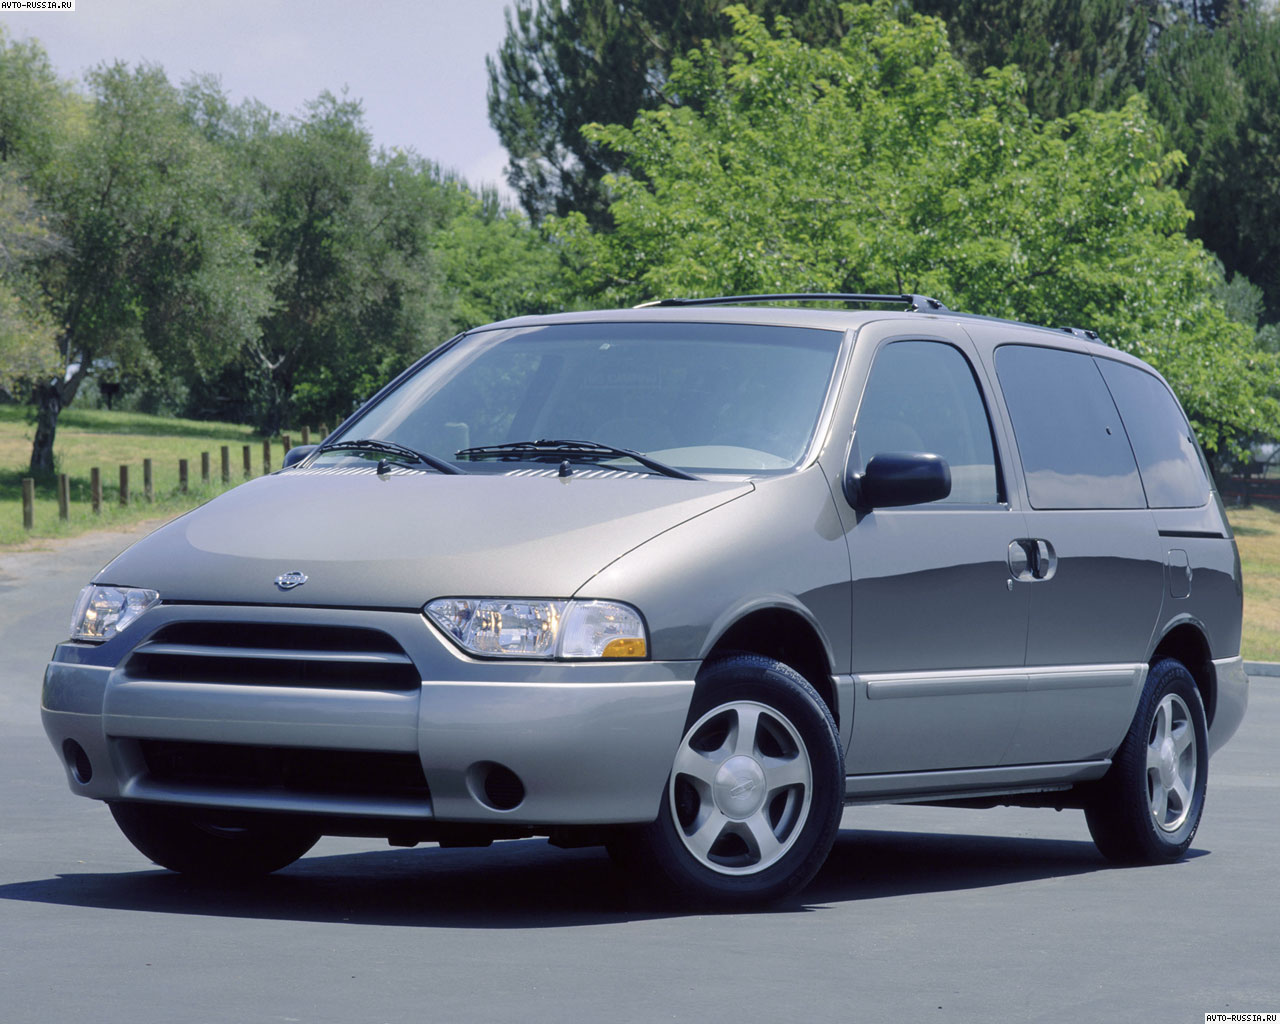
column 125, row 493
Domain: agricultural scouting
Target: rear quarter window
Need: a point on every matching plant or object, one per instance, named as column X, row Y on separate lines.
column 1072, row 443
column 1168, row 460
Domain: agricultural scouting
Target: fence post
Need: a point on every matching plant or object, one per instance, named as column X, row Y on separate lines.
column 28, row 502
column 124, row 486
column 95, row 490
column 204, row 468
column 226, row 465
column 64, row 497
column 287, row 441
column 266, row 456
column 148, row 482
column 182, row 475
column 324, row 431
column 248, row 468
column 306, row 435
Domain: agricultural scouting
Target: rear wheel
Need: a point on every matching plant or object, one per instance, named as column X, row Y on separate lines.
column 754, row 798
column 1147, row 808
column 188, row 841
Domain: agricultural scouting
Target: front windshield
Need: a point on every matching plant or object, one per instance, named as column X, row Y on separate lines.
column 700, row 397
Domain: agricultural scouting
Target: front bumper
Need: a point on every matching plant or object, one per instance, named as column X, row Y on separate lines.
column 589, row 743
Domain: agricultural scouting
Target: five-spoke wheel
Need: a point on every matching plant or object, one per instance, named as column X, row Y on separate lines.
column 1147, row 808
column 756, row 788
column 1171, row 763
column 740, row 787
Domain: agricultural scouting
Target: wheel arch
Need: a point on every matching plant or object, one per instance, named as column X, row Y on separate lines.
column 788, row 636
column 1187, row 642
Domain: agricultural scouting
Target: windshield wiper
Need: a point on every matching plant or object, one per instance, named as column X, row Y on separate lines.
column 400, row 451
column 568, row 450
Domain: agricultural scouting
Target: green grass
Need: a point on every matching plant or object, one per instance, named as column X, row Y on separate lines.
column 1257, row 531
column 101, row 421
column 108, row 440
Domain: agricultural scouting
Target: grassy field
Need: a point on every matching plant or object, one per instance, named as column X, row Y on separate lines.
column 108, row 440
column 91, row 437
column 1257, row 531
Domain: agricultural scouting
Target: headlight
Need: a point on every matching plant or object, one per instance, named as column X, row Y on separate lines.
column 516, row 628
column 102, row 612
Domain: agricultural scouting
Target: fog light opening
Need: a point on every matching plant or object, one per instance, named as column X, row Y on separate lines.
column 495, row 785
column 78, row 761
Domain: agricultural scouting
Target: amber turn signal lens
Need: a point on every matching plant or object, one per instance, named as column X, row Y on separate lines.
column 628, row 647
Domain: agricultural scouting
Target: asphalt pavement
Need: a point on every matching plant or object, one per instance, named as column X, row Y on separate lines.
column 920, row 913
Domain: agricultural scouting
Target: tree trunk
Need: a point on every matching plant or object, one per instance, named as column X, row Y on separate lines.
column 48, row 401
column 51, row 397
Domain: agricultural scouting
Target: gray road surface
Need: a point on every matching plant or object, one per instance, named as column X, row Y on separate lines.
column 921, row 914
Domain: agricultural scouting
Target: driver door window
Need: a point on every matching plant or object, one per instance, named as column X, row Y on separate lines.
column 922, row 397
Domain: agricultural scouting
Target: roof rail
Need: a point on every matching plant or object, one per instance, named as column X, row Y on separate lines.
column 915, row 303
column 1083, row 332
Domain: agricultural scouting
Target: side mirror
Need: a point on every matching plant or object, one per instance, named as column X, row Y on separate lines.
column 893, row 479
column 295, row 455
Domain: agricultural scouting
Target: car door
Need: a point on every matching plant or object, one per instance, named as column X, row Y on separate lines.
column 1095, row 562
column 938, row 629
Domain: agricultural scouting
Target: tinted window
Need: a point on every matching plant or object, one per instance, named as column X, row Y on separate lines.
column 1072, row 444
column 1161, row 438
column 922, row 397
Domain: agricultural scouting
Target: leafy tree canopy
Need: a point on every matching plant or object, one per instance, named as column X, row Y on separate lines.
column 880, row 164
column 156, row 271
column 1218, row 95
column 27, row 336
column 1074, row 54
column 566, row 63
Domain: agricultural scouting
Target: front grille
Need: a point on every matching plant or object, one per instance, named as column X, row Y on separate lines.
column 274, row 654
column 285, row 769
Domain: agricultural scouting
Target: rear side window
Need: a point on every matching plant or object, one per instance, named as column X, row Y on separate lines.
column 1167, row 458
column 922, row 397
column 1073, row 446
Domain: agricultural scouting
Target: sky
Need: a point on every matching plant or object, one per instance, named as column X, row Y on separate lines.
column 416, row 65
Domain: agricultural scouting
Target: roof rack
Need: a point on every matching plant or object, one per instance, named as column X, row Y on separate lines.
column 1083, row 332
column 915, row 303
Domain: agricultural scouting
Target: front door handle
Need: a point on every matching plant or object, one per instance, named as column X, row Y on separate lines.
column 1031, row 559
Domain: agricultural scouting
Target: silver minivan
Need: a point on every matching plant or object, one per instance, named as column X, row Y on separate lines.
column 686, row 581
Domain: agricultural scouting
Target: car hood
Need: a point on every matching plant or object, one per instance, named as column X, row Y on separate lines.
column 400, row 540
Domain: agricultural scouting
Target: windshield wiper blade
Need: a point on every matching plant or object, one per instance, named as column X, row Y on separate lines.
column 369, row 444
column 571, row 450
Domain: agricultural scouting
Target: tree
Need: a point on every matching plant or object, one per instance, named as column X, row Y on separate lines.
column 34, row 106
column 27, row 336
column 344, row 238
column 1074, row 54
column 882, row 165
column 566, row 63
column 1217, row 94
column 156, row 272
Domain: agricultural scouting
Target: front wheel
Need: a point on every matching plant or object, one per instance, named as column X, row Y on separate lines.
column 1147, row 808
column 184, row 840
column 754, row 798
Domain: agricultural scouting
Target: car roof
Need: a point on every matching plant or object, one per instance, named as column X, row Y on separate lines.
column 827, row 318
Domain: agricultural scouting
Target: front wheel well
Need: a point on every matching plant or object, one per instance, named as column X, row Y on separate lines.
column 783, row 636
column 1188, row 645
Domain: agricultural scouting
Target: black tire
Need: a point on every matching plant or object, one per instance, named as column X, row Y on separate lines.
column 187, row 841
column 756, row 789
column 1146, row 809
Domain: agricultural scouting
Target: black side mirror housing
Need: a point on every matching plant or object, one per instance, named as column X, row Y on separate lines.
column 295, row 455
column 894, row 479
